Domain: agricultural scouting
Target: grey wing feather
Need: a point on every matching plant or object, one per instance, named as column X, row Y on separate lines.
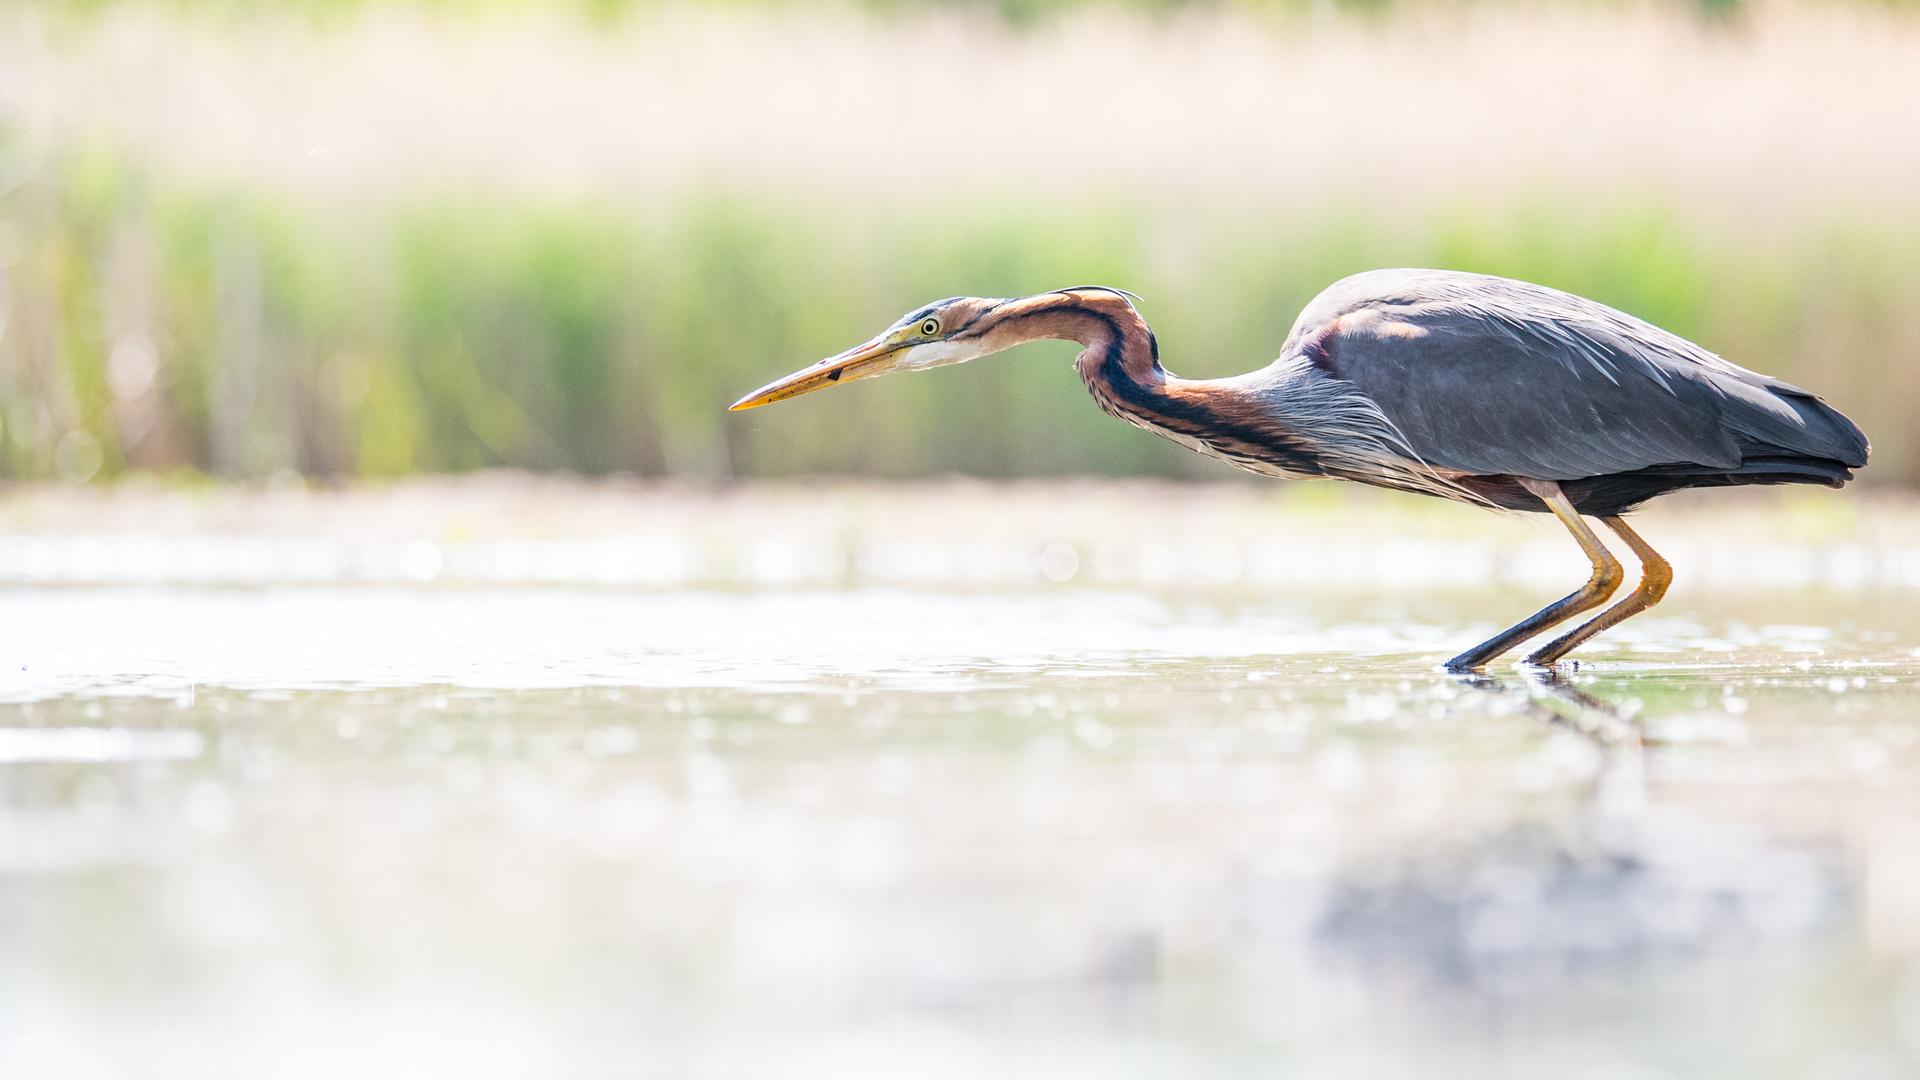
column 1487, row 375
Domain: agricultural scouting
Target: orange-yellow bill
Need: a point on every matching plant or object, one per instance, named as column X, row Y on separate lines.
column 876, row 357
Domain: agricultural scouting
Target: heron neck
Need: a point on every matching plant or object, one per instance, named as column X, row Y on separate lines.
column 1119, row 358
column 1120, row 363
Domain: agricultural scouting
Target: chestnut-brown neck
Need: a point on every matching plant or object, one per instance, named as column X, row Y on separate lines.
column 1116, row 340
column 1120, row 363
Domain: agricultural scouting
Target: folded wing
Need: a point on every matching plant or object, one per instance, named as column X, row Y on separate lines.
column 1491, row 376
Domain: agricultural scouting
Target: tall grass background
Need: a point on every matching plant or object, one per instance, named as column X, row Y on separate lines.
column 403, row 242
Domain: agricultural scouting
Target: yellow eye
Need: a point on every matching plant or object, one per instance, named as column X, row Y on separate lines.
column 930, row 328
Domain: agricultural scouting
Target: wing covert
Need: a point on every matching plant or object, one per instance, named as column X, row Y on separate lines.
column 1486, row 375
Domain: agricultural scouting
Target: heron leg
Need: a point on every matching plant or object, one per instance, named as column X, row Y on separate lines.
column 1607, row 575
column 1656, row 575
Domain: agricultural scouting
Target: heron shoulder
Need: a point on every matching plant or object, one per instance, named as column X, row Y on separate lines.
column 1521, row 321
column 1487, row 374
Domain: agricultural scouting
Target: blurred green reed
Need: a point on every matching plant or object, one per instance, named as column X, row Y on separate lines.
column 233, row 333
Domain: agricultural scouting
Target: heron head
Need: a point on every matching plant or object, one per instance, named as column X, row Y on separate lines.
column 941, row 333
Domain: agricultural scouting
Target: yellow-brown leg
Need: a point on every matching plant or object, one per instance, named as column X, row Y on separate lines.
column 1607, row 575
column 1656, row 575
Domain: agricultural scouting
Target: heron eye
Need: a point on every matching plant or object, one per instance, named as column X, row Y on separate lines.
column 930, row 327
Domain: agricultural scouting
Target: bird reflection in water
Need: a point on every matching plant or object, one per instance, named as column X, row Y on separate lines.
column 1558, row 699
column 1609, row 890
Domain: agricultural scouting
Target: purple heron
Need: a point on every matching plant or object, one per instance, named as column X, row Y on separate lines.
column 1479, row 389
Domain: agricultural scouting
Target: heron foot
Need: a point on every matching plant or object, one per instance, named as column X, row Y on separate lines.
column 1607, row 576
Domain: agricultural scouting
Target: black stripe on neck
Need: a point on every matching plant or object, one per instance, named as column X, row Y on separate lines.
column 1194, row 418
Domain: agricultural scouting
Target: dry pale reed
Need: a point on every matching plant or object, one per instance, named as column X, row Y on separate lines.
column 1790, row 108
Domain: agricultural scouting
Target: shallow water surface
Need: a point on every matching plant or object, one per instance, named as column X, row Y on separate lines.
column 393, row 832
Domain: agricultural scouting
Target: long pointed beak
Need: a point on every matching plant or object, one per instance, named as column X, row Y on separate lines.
column 876, row 357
